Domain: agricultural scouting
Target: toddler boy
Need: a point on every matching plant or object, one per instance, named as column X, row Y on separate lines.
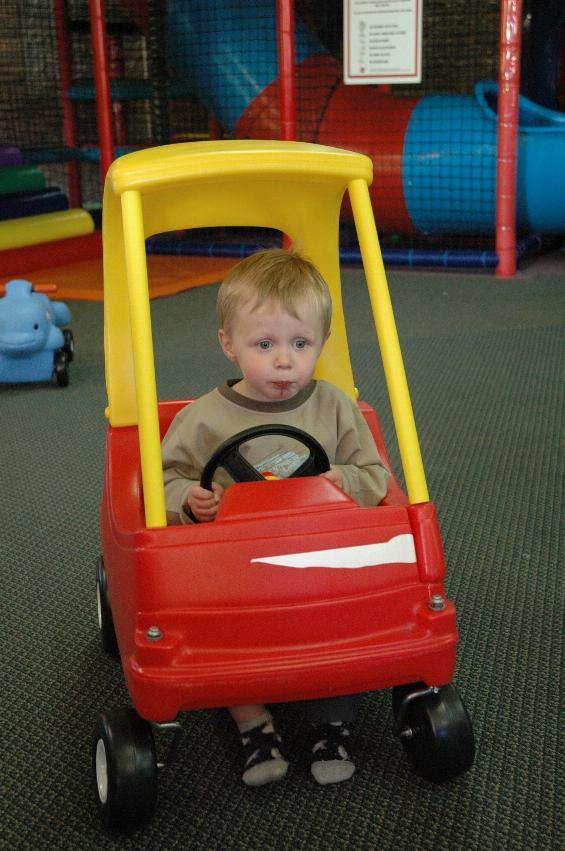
column 274, row 312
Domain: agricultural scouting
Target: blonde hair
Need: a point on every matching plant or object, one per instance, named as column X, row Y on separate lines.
column 284, row 277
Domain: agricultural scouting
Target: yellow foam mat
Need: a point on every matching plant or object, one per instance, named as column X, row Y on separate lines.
column 34, row 230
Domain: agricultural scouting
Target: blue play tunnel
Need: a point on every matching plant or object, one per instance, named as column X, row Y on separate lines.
column 449, row 164
column 434, row 157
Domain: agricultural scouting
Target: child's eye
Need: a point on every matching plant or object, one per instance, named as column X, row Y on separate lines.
column 265, row 344
column 300, row 344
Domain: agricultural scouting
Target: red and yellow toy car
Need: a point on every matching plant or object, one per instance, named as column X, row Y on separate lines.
column 294, row 592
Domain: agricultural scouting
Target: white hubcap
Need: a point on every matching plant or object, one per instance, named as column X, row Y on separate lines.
column 101, row 771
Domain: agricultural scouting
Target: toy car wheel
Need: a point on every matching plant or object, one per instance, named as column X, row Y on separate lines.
column 435, row 730
column 105, row 619
column 124, row 764
column 69, row 344
column 61, row 369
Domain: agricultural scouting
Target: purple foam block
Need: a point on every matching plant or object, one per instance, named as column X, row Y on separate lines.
column 10, row 155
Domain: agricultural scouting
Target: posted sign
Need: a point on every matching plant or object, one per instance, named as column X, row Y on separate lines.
column 382, row 41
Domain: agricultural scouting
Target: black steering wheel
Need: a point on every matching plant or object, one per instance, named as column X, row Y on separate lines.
column 228, row 456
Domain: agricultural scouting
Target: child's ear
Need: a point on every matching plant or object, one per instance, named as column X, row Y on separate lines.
column 226, row 345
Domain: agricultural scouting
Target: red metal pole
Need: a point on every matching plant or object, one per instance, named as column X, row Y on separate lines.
column 70, row 135
column 214, row 128
column 507, row 147
column 102, row 81
column 116, row 67
column 287, row 94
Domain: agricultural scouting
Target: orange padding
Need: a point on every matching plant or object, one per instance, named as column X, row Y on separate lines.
column 167, row 275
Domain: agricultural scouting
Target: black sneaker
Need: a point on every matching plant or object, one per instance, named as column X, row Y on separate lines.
column 331, row 762
column 264, row 760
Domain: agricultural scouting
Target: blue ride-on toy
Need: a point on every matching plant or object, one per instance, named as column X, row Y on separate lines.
column 34, row 344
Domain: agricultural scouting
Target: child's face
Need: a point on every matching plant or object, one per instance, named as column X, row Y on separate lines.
column 275, row 351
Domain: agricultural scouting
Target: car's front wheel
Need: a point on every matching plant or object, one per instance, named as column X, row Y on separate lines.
column 124, row 765
column 69, row 344
column 435, row 730
column 60, row 373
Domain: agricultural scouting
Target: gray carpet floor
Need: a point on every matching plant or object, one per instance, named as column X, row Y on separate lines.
column 484, row 360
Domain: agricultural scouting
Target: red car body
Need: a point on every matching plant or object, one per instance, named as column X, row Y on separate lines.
column 204, row 618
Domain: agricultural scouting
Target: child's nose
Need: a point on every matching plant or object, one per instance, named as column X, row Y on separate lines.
column 283, row 358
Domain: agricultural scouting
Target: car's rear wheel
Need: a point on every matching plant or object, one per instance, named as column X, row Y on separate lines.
column 105, row 619
column 435, row 730
column 124, row 766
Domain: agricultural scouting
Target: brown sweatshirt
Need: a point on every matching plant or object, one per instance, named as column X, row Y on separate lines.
column 320, row 409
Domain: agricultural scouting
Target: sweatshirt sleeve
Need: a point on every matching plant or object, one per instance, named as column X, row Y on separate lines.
column 181, row 468
column 365, row 476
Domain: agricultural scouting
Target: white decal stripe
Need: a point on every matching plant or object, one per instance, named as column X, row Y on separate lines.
column 398, row 549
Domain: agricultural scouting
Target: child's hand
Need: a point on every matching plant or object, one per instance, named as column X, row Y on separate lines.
column 334, row 475
column 203, row 503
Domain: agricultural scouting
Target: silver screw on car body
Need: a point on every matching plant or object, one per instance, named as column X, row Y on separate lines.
column 437, row 603
column 154, row 634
